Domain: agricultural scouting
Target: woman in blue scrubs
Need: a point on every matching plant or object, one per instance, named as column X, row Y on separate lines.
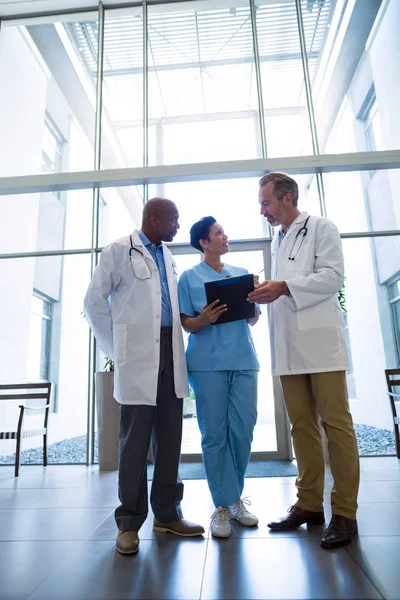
column 223, row 370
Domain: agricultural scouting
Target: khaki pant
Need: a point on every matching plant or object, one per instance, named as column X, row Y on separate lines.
column 323, row 394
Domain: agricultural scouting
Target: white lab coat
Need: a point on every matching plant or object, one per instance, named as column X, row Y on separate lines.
column 307, row 328
column 124, row 313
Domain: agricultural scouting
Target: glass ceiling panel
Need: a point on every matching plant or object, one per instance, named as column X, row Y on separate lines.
column 210, row 38
column 201, row 66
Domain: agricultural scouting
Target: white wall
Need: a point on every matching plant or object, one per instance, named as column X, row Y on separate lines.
column 346, row 207
column 355, row 198
column 385, row 62
column 20, row 144
column 64, row 279
column 21, row 127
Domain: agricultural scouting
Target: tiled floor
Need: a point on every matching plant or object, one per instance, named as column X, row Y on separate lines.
column 57, row 540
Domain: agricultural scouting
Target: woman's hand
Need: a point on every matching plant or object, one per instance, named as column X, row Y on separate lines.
column 211, row 313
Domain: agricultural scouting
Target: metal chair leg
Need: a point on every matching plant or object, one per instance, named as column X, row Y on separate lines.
column 45, row 450
column 18, row 455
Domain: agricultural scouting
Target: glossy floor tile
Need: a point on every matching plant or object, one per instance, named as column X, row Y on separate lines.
column 161, row 570
column 381, row 518
column 50, row 524
column 24, row 566
column 379, row 558
column 57, row 541
column 281, row 568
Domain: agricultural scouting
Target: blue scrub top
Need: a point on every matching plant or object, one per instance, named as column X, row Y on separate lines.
column 225, row 347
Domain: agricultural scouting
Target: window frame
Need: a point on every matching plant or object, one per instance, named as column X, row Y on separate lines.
column 394, row 301
column 53, row 167
column 49, row 319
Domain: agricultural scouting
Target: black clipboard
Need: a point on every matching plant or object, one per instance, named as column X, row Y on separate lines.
column 233, row 292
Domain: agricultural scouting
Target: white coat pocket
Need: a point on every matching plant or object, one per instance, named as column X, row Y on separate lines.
column 120, row 341
column 314, row 317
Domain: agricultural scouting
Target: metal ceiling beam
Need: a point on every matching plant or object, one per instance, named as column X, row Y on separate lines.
column 298, row 165
column 205, row 64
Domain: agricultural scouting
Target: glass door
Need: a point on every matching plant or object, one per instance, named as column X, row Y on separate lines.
column 191, row 439
column 271, row 434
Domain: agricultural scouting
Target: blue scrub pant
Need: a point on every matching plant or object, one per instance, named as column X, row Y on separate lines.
column 226, row 403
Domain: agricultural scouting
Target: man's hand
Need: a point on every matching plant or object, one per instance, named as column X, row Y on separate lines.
column 268, row 292
column 211, row 313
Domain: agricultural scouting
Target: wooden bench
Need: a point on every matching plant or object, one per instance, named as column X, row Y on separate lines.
column 31, row 391
column 393, row 381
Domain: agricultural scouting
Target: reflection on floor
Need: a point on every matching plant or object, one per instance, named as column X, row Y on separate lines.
column 57, row 540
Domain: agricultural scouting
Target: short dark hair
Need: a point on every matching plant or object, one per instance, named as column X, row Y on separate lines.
column 282, row 184
column 200, row 231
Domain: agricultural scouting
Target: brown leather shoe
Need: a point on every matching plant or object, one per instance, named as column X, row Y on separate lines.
column 127, row 542
column 297, row 516
column 182, row 527
column 339, row 532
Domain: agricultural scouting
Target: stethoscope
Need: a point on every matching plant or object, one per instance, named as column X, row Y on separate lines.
column 147, row 265
column 303, row 230
column 144, row 258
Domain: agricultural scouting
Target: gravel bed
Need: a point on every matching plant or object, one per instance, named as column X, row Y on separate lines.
column 371, row 442
column 71, row 451
column 375, row 442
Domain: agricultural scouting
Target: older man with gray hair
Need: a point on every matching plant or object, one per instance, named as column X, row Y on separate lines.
column 309, row 354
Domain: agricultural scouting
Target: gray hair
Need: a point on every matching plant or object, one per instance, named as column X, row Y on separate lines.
column 282, row 184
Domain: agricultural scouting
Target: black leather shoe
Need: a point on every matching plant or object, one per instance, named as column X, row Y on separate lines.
column 297, row 516
column 339, row 532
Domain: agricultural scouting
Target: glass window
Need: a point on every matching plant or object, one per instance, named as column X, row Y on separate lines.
column 394, row 291
column 394, row 295
column 122, row 109
column 351, row 390
column 352, row 62
column 373, row 127
column 44, row 335
column 264, row 439
column 370, row 332
column 46, row 221
column 202, row 85
column 120, row 212
column 43, row 63
column 191, row 437
column 39, row 339
column 233, row 202
column 285, row 105
column 52, row 146
column 355, row 201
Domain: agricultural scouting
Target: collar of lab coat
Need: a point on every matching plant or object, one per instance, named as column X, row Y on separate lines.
column 137, row 242
column 299, row 219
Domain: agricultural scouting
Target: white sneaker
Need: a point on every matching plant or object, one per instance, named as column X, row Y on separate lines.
column 239, row 512
column 220, row 522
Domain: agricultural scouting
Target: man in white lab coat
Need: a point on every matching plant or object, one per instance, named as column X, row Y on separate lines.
column 309, row 354
column 133, row 310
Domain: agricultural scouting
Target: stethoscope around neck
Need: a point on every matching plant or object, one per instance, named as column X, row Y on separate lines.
column 148, row 273
column 303, row 232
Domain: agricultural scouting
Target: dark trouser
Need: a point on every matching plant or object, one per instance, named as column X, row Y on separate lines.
column 162, row 425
